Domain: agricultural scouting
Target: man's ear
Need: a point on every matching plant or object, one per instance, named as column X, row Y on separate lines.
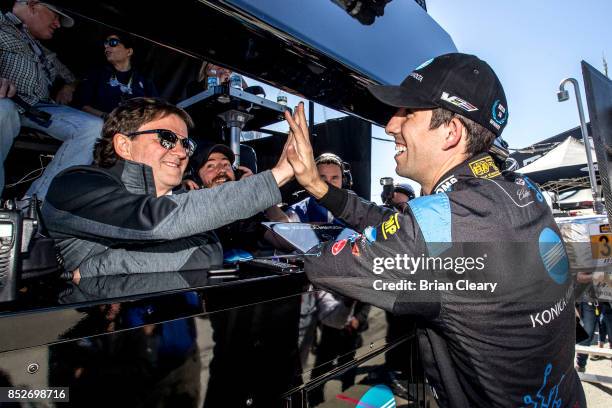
column 456, row 131
column 123, row 146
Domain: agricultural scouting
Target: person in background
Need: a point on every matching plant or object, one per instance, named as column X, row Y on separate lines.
column 31, row 71
column 332, row 170
column 402, row 193
column 341, row 322
column 604, row 329
column 399, row 360
column 592, row 312
column 105, row 87
column 127, row 213
column 210, row 70
column 212, row 167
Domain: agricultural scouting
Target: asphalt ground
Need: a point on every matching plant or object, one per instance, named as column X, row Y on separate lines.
column 598, row 395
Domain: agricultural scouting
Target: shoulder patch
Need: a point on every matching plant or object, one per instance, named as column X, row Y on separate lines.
column 433, row 215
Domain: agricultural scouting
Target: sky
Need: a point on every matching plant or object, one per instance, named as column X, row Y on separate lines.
column 532, row 46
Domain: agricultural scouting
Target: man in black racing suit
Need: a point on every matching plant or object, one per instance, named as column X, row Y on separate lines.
column 477, row 259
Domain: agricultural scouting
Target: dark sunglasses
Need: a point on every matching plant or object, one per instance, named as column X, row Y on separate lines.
column 167, row 139
column 112, row 42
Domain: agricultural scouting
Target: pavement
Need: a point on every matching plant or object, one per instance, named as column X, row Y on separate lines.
column 598, row 395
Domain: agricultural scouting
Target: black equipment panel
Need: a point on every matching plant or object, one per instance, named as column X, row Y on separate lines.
column 599, row 101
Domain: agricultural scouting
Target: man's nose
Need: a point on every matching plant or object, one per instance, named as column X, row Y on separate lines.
column 179, row 150
column 394, row 125
column 56, row 22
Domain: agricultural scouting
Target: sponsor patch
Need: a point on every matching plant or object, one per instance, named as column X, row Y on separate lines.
column 417, row 76
column 604, row 228
column 533, row 188
column 390, row 227
column 484, row 168
column 457, row 101
column 446, row 184
column 499, row 113
column 495, row 125
column 338, row 246
column 355, row 250
column 370, row 234
column 553, row 255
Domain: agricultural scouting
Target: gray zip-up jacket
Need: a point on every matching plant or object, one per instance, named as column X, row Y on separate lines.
column 109, row 221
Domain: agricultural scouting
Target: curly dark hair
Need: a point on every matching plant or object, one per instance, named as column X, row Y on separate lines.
column 128, row 117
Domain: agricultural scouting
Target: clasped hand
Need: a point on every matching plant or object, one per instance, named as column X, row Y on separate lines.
column 297, row 159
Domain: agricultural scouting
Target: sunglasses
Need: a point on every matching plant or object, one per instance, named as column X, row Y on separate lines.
column 167, row 139
column 112, row 42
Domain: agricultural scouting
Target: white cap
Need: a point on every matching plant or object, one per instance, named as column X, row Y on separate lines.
column 65, row 20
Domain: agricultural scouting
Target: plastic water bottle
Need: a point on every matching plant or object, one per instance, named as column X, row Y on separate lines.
column 212, row 80
column 235, row 80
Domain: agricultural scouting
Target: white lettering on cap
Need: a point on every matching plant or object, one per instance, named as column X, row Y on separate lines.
column 457, row 101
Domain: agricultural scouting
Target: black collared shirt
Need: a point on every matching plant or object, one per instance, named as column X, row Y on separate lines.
column 104, row 88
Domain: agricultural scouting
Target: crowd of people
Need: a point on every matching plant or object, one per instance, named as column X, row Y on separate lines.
column 116, row 201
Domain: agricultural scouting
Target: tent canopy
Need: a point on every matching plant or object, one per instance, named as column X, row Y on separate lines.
column 567, row 160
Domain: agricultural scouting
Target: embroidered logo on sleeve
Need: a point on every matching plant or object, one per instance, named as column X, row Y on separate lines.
column 390, row 227
column 338, row 246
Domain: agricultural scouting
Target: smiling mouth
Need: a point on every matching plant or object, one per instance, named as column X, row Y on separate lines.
column 220, row 179
column 400, row 149
column 173, row 165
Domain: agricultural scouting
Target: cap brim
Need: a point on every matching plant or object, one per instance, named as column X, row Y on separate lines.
column 399, row 97
column 65, row 20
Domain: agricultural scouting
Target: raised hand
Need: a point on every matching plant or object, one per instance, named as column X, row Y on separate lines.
column 300, row 154
column 190, row 185
column 283, row 172
column 246, row 172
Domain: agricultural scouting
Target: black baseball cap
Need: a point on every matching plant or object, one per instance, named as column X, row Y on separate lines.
column 203, row 152
column 461, row 83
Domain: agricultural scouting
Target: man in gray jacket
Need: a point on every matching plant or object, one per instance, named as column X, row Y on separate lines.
column 121, row 215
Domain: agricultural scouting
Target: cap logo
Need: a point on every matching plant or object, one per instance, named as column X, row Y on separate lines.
column 423, row 65
column 457, row 101
column 417, row 76
column 499, row 113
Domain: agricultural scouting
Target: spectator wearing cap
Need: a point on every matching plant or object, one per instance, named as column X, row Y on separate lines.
column 31, row 71
column 105, row 87
column 212, row 167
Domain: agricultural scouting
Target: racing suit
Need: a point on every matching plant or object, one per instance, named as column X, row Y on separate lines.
column 507, row 346
column 109, row 221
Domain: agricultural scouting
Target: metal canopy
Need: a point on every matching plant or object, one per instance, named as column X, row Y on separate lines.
column 309, row 48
